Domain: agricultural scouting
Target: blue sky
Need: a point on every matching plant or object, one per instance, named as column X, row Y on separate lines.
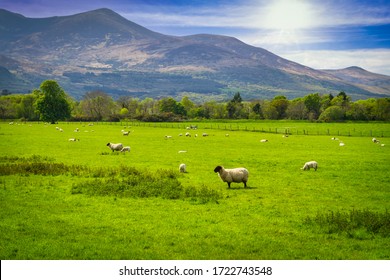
column 323, row 34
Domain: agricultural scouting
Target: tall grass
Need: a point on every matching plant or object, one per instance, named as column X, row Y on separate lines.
column 353, row 223
column 122, row 181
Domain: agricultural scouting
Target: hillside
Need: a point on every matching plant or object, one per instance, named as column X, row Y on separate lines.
column 101, row 50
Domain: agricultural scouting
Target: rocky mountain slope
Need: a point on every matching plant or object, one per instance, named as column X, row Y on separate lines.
column 100, row 50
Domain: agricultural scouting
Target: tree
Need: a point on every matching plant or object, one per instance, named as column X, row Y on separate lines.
column 97, row 105
column 313, row 105
column 332, row 113
column 234, row 107
column 52, row 102
column 280, row 103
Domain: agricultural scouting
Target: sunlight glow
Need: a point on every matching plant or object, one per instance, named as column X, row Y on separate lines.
column 288, row 15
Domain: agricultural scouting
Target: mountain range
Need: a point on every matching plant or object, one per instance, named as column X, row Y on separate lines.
column 101, row 50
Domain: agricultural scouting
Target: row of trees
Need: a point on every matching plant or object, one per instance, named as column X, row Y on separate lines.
column 50, row 103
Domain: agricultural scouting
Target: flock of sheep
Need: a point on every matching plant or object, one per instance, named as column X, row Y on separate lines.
column 233, row 175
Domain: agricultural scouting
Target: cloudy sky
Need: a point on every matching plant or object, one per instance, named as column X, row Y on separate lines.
column 323, row 34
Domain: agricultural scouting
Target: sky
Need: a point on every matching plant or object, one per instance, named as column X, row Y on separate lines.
column 322, row 34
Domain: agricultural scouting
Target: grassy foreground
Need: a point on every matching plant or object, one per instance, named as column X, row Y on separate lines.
column 78, row 200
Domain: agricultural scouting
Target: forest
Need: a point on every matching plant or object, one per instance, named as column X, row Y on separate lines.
column 98, row 105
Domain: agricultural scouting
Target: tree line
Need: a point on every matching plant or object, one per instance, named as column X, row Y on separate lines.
column 51, row 103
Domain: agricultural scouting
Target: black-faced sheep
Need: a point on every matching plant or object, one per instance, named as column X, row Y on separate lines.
column 310, row 164
column 115, row 147
column 235, row 175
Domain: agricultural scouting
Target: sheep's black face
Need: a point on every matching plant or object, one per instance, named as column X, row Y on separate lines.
column 108, row 144
column 217, row 169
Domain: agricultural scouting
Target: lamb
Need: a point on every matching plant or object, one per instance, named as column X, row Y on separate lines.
column 115, row 147
column 235, row 175
column 182, row 168
column 125, row 149
column 310, row 164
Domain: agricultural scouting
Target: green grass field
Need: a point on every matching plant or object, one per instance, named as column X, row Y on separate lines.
column 78, row 200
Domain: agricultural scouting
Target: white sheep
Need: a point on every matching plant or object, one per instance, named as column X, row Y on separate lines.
column 168, row 136
column 310, row 164
column 125, row 133
column 375, row 140
column 115, row 147
column 73, row 139
column 263, row 140
column 235, row 175
column 182, row 168
column 125, row 149
column 188, row 134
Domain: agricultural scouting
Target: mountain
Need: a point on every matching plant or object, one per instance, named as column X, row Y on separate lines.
column 370, row 81
column 101, row 50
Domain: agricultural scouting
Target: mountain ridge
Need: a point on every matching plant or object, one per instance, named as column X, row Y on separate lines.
column 102, row 50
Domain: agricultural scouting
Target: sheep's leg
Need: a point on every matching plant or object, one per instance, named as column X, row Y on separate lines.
column 228, row 185
column 244, row 184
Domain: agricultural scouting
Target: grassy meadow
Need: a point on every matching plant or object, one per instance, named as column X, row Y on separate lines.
column 78, row 200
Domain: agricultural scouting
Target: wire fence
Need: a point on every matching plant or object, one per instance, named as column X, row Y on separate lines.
column 353, row 132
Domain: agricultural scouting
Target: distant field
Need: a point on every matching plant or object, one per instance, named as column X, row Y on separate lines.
column 79, row 200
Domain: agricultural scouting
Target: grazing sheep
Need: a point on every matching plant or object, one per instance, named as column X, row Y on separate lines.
column 115, row 147
column 341, row 144
column 125, row 133
column 168, row 136
column 310, row 164
column 375, row 140
column 125, row 149
column 263, row 140
column 235, row 175
column 205, row 134
column 335, row 138
column 73, row 140
column 180, row 152
column 182, row 168
column 188, row 134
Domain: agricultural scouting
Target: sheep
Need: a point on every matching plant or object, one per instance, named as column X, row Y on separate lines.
column 188, row 134
column 115, row 147
column 341, row 144
column 73, row 139
column 125, row 133
column 235, row 175
column 182, row 168
column 168, row 136
column 180, row 152
column 263, row 140
column 375, row 140
column 125, row 149
column 310, row 164
column 205, row 134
